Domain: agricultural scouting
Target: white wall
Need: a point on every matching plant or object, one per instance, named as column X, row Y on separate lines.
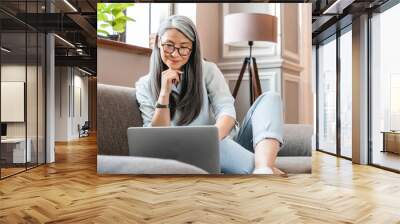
column 79, row 117
column 62, row 80
column 70, row 84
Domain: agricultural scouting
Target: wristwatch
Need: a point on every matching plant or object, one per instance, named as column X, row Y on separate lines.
column 159, row 105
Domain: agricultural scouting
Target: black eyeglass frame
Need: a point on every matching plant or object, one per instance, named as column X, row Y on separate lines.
column 176, row 48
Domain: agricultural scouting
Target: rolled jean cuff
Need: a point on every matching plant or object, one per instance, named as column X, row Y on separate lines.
column 266, row 135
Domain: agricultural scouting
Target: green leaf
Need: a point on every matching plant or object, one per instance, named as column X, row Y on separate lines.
column 101, row 17
column 123, row 6
column 105, row 25
column 102, row 32
column 119, row 28
column 119, row 15
column 118, row 6
column 112, row 15
column 121, row 20
column 108, row 8
column 116, row 12
column 100, row 6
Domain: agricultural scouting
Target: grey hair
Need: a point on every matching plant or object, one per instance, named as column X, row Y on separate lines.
column 190, row 100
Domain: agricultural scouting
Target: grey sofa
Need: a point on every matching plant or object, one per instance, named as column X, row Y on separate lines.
column 117, row 109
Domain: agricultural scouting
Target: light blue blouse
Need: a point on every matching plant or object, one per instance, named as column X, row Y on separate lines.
column 217, row 99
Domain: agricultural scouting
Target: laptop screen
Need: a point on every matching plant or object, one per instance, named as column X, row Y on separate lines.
column 3, row 129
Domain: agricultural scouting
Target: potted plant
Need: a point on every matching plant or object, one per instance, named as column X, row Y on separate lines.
column 111, row 16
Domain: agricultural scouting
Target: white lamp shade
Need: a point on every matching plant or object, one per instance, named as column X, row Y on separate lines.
column 240, row 28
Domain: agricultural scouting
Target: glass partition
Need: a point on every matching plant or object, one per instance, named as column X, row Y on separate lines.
column 13, row 95
column 22, row 88
column 31, row 99
column 41, row 96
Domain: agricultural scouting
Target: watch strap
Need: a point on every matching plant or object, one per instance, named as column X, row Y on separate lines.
column 159, row 105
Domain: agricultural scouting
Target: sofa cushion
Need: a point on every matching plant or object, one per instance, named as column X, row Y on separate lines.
column 294, row 164
column 143, row 165
column 297, row 140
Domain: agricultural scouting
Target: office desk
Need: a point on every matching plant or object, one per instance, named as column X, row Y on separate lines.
column 13, row 150
column 391, row 141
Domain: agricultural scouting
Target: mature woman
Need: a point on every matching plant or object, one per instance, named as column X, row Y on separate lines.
column 183, row 89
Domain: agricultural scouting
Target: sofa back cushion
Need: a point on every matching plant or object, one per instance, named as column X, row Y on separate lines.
column 117, row 109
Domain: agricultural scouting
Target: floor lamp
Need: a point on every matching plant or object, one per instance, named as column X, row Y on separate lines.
column 249, row 29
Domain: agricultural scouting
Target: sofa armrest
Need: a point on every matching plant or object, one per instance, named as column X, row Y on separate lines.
column 297, row 140
column 143, row 165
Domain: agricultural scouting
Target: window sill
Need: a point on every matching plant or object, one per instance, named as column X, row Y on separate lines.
column 120, row 46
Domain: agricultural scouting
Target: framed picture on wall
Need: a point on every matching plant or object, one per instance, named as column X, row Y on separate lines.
column 12, row 101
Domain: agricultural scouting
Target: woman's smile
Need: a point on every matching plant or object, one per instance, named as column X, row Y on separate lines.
column 174, row 61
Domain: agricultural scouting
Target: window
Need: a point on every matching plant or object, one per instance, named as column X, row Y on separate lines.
column 137, row 33
column 159, row 12
column 148, row 17
column 327, row 96
column 186, row 9
column 394, row 101
column 346, row 94
column 385, row 87
column 334, row 94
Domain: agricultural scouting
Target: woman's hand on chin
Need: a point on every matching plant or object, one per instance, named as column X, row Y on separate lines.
column 168, row 78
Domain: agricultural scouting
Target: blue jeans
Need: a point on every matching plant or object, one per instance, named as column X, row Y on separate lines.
column 263, row 120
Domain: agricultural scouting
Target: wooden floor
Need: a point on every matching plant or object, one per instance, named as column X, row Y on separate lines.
column 10, row 171
column 70, row 191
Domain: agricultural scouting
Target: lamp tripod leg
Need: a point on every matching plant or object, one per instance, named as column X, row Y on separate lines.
column 251, row 82
column 256, row 79
column 237, row 85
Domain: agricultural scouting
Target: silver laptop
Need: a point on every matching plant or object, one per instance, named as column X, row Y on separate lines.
column 195, row 145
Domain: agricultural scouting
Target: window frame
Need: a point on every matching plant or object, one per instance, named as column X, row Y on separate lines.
column 334, row 37
column 381, row 9
column 171, row 11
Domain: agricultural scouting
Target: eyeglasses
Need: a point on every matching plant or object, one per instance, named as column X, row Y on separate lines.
column 170, row 48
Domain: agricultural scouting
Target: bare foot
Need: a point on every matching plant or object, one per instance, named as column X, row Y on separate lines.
column 269, row 170
column 263, row 170
column 277, row 171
